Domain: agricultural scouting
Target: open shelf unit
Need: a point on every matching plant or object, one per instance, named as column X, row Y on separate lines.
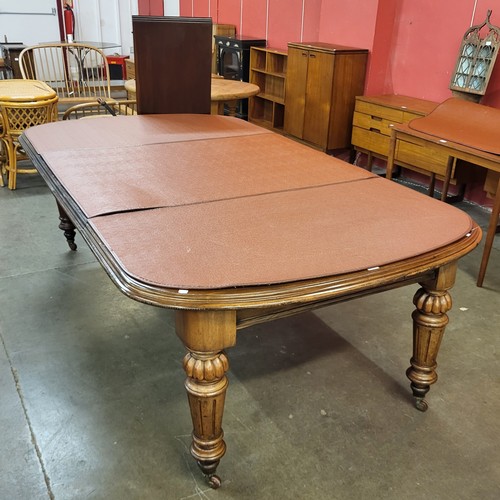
column 268, row 71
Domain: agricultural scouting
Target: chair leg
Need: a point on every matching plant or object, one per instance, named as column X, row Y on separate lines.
column 490, row 235
column 11, row 165
column 3, row 160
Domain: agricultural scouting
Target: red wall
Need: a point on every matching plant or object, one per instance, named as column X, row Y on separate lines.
column 150, row 7
column 413, row 44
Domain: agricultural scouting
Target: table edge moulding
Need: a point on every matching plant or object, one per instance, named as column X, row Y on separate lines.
column 288, row 199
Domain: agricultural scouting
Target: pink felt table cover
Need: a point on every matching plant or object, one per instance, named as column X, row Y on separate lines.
column 110, row 180
column 206, row 207
column 280, row 237
column 130, row 131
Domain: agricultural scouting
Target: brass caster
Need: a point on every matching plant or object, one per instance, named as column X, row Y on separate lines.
column 214, row 481
column 421, row 404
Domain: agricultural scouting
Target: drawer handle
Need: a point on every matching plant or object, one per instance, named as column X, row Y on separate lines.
column 312, row 55
column 304, row 54
column 376, row 118
column 374, row 129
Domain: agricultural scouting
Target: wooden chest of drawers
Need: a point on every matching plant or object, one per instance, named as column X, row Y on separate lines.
column 371, row 132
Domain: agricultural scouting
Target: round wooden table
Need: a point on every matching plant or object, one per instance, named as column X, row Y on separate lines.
column 222, row 92
column 23, row 104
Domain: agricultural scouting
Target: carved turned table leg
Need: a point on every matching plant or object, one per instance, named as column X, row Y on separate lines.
column 432, row 302
column 206, row 386
column 206, row 334
column 67, row 226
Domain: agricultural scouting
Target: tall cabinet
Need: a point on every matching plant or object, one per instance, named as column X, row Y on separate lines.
column 321, row 85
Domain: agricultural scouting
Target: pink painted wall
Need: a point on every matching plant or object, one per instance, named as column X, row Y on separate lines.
column 413, row 44
column 150, row 7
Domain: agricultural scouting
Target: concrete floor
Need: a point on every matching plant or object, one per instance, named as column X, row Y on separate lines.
column 92, row 403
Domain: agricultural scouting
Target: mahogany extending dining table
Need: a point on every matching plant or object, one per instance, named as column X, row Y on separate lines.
column 233, row 225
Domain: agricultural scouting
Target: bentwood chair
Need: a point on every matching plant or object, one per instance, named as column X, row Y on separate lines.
column 79, row 73
column 101, row 108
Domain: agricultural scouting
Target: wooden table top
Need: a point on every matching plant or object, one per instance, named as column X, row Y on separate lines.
column 228, row 90
column 16, row 90
column 221, row 89
column 401, row 102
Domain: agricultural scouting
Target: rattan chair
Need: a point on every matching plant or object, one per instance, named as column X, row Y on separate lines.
column 15, row 118
column 77, row 72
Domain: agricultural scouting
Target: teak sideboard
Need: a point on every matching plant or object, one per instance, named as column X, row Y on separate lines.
column 373, row 120
column 374, row 117
column 321, row 85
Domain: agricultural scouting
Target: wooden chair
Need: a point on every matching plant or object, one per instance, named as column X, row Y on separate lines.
column 78, row 72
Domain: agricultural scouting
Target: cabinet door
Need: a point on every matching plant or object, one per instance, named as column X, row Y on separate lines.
column 318, row 97
column 295, row 94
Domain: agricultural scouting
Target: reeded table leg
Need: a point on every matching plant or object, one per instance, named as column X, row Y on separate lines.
column 432, row 302
column 67, row 226
column 206, row 387
column 206, row 334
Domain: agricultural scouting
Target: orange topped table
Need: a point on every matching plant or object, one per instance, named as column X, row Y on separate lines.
column 285, row 229
column 23, row 104
column 461, row 130
column 223, row 91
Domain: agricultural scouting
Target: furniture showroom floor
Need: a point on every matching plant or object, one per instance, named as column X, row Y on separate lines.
column 92, row 403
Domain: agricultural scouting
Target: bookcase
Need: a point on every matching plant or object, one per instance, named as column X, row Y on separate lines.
column 268, row 71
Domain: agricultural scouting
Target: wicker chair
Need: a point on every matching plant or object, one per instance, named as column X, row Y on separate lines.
column 79, row 73
column 15, row 117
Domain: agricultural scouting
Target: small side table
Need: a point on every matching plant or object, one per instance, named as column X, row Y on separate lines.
column 23, row 104
column 223, row 91
column 229, row 92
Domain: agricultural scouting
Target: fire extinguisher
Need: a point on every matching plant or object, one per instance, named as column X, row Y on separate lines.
column 69, row 20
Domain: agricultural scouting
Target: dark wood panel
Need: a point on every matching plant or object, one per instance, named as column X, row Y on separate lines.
column 173, row 64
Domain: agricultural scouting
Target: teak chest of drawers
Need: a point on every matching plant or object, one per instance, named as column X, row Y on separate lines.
column 371, row 132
